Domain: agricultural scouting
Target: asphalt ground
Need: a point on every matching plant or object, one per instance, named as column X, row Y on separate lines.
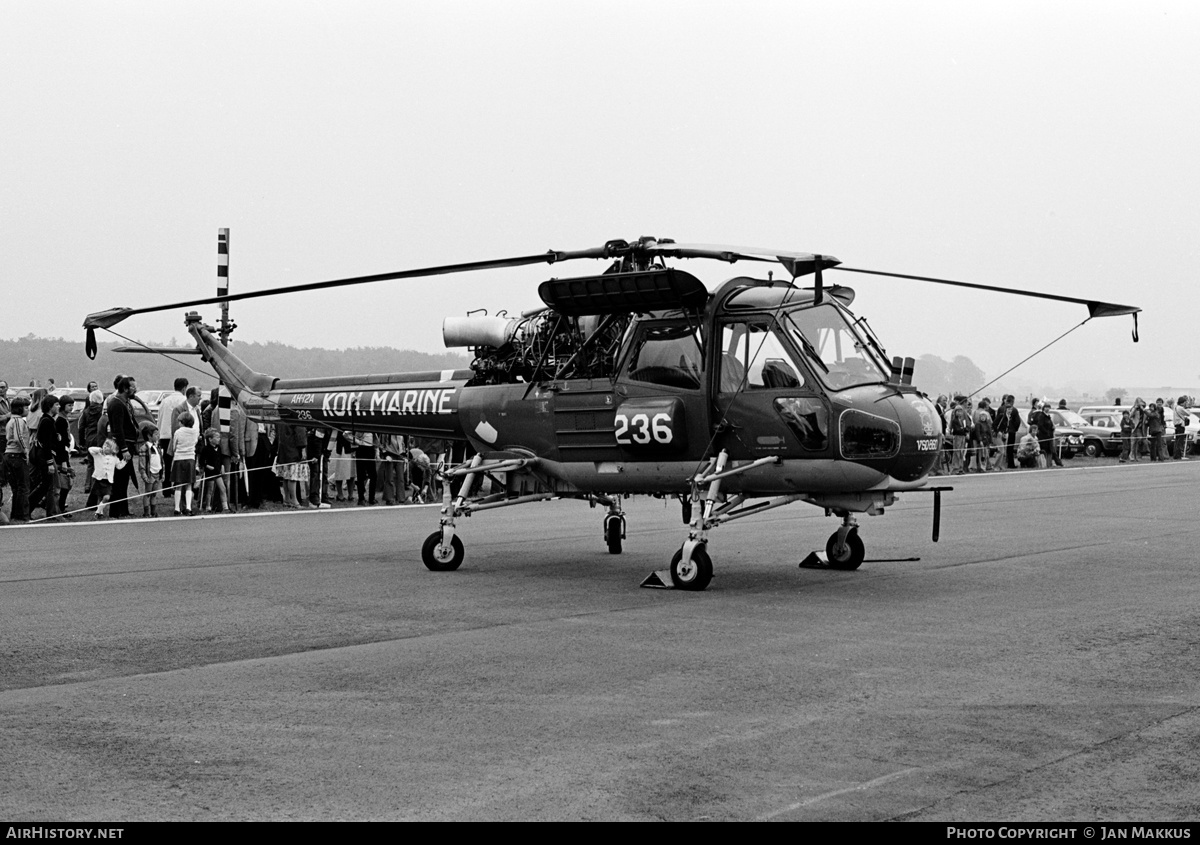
column 1038, row 663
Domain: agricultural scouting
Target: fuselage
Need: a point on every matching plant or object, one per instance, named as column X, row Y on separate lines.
column 762, row 371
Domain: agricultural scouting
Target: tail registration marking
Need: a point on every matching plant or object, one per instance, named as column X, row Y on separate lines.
column 410, row 401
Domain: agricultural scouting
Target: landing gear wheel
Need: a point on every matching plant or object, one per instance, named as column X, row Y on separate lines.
column 693, row 574
column 852, row 553
column 612, row 535
column 440, row 558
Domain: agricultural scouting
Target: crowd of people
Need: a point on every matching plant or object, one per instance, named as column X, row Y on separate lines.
column 188, row 458
column 984, row 438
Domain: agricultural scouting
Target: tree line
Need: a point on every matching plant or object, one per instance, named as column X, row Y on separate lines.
column 34, row 358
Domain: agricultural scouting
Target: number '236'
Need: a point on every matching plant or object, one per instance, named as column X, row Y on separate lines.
column 642, row 429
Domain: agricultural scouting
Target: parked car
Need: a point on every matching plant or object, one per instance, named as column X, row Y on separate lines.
column 153, row 398
column 1087, row 410
column 1102, row 436
column 1068, row 441
column 1098, row 439
column 1192, row 429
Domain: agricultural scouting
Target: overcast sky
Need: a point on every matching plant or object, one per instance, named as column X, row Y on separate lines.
column 1042, row 145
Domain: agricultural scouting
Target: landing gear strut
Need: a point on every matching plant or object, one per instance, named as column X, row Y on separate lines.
column 691, row 567
column 442, row 550
column 706, row 508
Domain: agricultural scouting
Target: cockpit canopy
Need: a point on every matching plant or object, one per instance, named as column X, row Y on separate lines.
column 836, row 348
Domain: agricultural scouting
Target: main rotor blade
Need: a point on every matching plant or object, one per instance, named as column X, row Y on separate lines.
column 797, row 263
column 1095, row 307
column 112, row 316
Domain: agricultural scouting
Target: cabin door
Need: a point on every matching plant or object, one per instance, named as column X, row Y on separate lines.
column 661, row 413
column 766, row 401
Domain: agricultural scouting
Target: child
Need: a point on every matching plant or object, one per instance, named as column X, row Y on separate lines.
column 149, row 469
column 105, row 465
column 183, row 466
column 214, row 480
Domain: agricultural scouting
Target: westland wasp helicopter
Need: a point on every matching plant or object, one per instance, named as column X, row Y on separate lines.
column 640, row 380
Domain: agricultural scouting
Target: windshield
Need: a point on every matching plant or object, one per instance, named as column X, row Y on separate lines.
column 1071, row 418
column 845, row 356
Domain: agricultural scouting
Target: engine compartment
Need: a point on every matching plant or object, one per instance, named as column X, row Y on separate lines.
column 549, row 345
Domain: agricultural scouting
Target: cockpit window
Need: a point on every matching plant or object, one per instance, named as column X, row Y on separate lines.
column 755, row 357
column 669, row 355
column 846, row 357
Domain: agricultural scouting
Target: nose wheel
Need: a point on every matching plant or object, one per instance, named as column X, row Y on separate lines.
column 440, row 557
column 844, row 554
column 692, row 573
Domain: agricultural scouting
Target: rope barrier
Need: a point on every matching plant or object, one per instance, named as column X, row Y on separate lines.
column 135, row 497
column 1135, row 446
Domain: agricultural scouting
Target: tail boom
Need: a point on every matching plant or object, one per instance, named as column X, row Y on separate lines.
column 423, row 404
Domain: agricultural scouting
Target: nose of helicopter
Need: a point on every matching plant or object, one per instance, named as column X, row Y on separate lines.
column 920, row 436
column 894, row 431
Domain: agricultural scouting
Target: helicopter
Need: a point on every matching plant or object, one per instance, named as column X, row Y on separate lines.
column 757, row 394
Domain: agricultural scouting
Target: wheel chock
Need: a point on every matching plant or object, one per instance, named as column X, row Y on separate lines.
column 815, row 560
column 659, row 580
